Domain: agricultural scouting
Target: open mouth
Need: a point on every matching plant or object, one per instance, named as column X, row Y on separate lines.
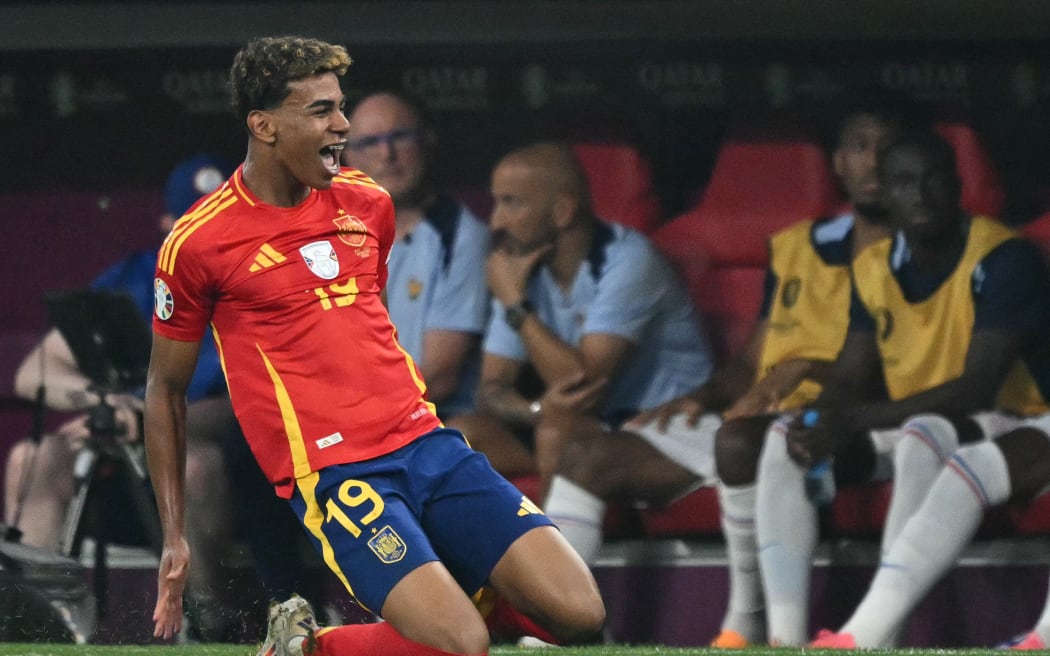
column 330, row 156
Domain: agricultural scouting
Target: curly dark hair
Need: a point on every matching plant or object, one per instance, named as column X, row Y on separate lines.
column 263, row 68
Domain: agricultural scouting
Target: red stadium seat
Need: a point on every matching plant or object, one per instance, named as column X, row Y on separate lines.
column 1033, row 518
column 860, row 511
column 769, row 173
column 1039, row 232
column 982, row 190
column 729, row 298
column 695, row 514
column 477, row 198
column 621, row 183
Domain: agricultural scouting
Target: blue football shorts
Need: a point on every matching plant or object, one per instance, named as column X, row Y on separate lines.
column 375, row 521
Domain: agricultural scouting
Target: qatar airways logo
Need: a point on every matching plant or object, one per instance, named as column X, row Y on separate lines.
column 929, row 80
column 539, row 86
column 683, row 83
column 449, row 87
column 1029, row 84
column 198, row 91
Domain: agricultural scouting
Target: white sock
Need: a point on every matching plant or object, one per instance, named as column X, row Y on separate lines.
column 1042, row 626
column 578, row 514
column 744, row 612
column 926, row 444
column 974, row 479
column 786, row 524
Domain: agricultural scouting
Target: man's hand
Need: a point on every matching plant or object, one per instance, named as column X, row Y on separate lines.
column 508, row 273
column 171, row 581
column 758, row 400
column 75, row 432
column 574, row 394
column 808, row 445
column 688, row 405
column 128, row 411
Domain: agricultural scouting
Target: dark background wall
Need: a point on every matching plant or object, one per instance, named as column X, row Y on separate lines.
column 109, row 94
column 99, row 99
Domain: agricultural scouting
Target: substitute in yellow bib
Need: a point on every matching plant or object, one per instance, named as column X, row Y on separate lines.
column 681, row 445
column 951, row 316
column 994, row 288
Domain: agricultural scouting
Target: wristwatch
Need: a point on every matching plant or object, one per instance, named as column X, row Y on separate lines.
column 515, row 314
column 536, row 408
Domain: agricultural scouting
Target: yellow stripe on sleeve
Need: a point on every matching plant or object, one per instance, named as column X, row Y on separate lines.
column 175, row 241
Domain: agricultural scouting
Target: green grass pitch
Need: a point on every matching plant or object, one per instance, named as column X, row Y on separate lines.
column 248, row 650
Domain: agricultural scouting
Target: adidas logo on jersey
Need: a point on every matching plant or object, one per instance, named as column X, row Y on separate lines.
column 265, row 258
column 528, row 508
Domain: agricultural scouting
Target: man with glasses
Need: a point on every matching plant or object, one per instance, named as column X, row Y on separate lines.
column 436, row 294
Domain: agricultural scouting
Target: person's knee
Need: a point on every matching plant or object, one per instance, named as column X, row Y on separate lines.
column 737, row 450
column 455, row 632
column 984, row 469
column 549, row 435
column 575, row 615
column 53, row 458
column 926, row 434
column 462, row 635
column 1026, row 453
column 591, row 465
column 18, row 459
column 50, row 460
column 466, row 638
column 583, row 621
column 774, row 450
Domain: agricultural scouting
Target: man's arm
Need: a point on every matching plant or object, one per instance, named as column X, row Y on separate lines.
column 988, row 360
column 736, row 378
column 599, row 354
column 171, row 368
column 444, row 354
column 498, row 394
column 856, row 375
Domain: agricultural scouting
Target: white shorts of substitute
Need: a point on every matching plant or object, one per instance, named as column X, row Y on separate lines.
column 690, row 447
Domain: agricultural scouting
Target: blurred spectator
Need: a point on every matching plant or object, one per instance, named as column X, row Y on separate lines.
column 39, row 484
column 436, row 292
column 590, row 306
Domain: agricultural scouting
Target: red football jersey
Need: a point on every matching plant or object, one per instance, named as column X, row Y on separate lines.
column 315, row 372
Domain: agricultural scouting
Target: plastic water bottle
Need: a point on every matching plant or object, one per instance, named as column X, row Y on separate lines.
column 820, row 478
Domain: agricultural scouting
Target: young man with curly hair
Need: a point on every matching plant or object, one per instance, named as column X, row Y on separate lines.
column 286, row 262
